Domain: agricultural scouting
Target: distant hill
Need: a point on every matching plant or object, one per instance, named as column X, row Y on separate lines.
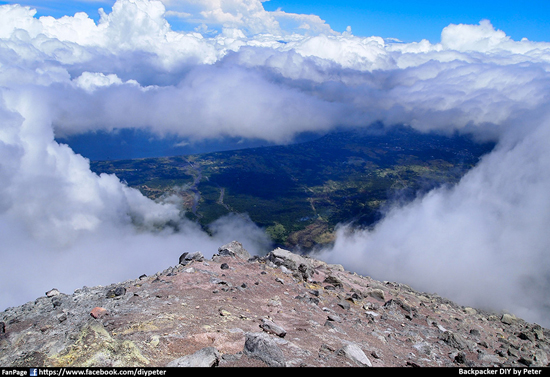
column 300, row 192
column 125, row 144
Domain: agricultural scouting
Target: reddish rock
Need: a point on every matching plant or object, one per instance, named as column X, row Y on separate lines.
column 98, row 312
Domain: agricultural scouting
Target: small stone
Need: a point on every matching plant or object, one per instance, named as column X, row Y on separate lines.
column 344, row 305
column 460, row 358
column 354, row 352
column 334, row 281
column 453, row 340
column 224, row 266
column 285, row 270
column 526, row 336
column 98, row 312
column 118, row 291
column 62, row 317
column 224, row 313
column 507, row 319
column 378, row 294
column 187, row 257
column 206, row 357
column 155, row 340
column 334, row 318
column 272, row 328
column 525, row 361
column 539, row 334
column 329, row 323
column 52, row 292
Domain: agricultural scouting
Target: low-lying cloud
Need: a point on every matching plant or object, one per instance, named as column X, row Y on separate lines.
column 481, row 242
column 245, row 72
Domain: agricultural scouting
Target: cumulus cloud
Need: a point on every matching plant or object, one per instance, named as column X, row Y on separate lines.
column 61, row 225
column 208, row 102
column 247, row 16
column 482, row 242
column 245, row 72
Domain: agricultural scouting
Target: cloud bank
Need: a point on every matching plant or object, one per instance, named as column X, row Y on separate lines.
column 245, row 72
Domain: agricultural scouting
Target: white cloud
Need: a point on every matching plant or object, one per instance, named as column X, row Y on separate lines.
column 363, row 54
column 90, row 81
column 271, row 75
column 481, row 243
column 480, row 38
column 246, row 15
column 62, row 225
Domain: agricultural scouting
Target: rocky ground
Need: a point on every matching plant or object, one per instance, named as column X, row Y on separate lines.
column 278, row 310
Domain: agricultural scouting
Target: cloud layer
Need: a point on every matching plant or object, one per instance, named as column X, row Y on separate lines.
column 245, row 72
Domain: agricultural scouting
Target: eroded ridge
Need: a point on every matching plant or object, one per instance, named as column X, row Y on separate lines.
column 281, row 309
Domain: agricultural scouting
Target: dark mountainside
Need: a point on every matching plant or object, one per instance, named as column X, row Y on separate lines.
column 298, row 193
column 281, row 309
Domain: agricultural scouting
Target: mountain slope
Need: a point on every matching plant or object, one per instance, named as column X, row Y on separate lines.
column 281, row 309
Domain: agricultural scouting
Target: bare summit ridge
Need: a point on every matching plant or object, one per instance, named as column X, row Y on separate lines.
column 281, row 309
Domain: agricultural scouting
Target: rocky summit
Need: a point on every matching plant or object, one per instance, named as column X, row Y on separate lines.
column 277, row 310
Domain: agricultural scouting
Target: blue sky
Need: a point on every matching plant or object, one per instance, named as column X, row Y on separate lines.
column 415, row 20
column 405, row 20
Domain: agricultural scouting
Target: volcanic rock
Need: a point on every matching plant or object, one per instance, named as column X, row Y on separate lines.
column 272, row 328
column 98, row 312
column 234, row 249
column 264, row 347
column 256, row 314
column 187, row 257
column 206, row 357
column 353, row 352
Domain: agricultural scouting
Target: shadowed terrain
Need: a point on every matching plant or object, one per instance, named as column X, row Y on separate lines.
column 300, row 192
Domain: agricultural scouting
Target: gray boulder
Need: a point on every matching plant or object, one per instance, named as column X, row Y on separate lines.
column 187, row 258
column 234, row 249
column 263, row 347
column 333, row 280
column 206, row 357
column 53, row 292
column 454, row 340
column 507, row 319
column 272, row 328
column 353, row 352
column 377, row 294
column 115, row 292
column 301, row 266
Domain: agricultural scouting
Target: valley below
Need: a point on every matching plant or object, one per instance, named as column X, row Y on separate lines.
column 300, row 192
